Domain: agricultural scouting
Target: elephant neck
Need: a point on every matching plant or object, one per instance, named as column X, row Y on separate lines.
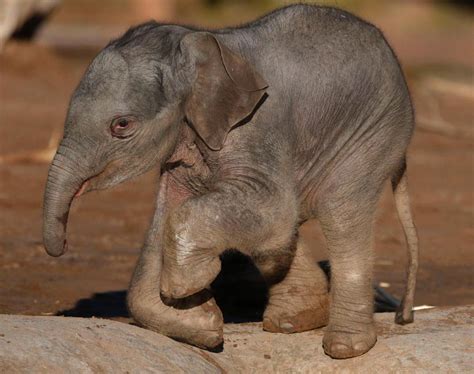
column 187, row 165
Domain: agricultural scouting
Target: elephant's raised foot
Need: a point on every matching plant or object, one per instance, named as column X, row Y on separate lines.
column 346, row 345
column 196, row 320
column 183, row 281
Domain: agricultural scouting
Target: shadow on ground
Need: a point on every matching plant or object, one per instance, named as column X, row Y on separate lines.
column 239, row 290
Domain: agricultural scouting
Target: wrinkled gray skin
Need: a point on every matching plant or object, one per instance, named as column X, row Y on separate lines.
column 301, row 114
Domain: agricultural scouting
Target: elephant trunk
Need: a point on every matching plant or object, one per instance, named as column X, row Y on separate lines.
column 65, row 178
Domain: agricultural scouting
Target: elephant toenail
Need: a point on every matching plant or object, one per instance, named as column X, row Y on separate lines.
column 286, row 326
column 269, row 325
column 361, row 347
column 340, row 349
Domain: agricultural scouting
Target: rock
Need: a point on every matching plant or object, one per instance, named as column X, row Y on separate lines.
column 80, row 345
column 440, row 339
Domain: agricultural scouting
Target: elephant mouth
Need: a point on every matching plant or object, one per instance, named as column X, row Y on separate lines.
column 82, row 189
column 98, row 181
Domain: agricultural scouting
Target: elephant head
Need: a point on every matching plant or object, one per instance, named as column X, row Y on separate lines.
column 126, row 115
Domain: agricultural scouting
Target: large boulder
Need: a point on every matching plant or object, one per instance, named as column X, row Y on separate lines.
column 80, row 345
column 440, row 339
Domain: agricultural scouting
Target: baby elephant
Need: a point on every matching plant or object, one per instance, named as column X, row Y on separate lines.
column 301, row 114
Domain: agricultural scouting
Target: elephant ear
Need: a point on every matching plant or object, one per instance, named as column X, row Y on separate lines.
column 225, row 91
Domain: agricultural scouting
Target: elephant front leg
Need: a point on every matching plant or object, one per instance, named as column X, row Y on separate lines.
column 202, row 228
column 191, row 258
column 300, row 301
column 196, row 320
column 351, row 331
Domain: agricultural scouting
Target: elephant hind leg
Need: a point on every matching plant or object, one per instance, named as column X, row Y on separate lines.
column 404, row 313
column 299, row 301
column 348, row 228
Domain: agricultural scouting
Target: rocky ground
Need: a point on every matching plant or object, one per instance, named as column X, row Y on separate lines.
column 440, row 341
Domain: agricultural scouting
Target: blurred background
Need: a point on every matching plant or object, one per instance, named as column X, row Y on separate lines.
column 45, row 46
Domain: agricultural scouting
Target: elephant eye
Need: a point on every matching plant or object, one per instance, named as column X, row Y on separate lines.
column 122, row 127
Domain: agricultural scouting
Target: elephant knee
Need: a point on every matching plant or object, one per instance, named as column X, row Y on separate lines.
column 275, row 264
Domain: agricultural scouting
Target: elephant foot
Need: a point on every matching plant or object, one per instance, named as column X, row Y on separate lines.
column 196, row 320
column 300, row 302
column 347, row 344
column 295, row 309
column 178, row 282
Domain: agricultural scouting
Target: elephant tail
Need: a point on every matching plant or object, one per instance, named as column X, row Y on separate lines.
column 404, row 313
